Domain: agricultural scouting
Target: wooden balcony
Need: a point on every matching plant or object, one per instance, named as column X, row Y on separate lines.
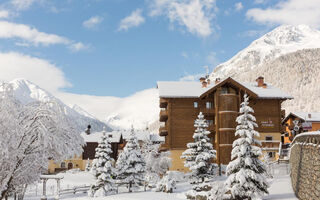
column 163, row 131
column 272, row 144
column 163, row 115
column 207, row 111
column 163, row 103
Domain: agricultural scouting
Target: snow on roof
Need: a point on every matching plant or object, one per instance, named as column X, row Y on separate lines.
column 180, row 89
column 314, row 116
column 269, row 92
column 116, row 136
column 194, row 89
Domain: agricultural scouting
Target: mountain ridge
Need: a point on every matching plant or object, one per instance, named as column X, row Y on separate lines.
column 27, row 92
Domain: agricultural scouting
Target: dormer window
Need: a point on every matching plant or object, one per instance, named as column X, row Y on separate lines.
column 224, row 90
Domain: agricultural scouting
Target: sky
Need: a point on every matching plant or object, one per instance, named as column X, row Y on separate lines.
column 120, row 47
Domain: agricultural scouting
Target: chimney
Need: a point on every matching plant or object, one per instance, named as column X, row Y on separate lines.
column 202, row 79
column 260, row 81
column 88, row 130
column 264, row 85
column 217, row 81
column 309, row 115
column 204, row 84
column 208, row 81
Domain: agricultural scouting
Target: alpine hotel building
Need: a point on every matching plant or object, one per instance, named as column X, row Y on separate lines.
column 181, row 102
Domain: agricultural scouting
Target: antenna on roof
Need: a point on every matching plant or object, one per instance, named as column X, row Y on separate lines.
column 207, row 71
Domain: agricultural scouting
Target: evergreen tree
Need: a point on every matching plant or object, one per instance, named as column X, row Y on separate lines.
column 246, row 173
column 102, row 169
column 88, row 165
column 131, row 164
column 157, row 163
column 198, row 158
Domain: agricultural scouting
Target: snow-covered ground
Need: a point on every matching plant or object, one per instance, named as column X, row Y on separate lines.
column 280, row 188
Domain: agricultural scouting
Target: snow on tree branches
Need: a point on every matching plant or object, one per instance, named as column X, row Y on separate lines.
column 199, row 157
column 102, row 169
column 131, row 164
column 157, row 163
column 30, row 135
column 246, row 173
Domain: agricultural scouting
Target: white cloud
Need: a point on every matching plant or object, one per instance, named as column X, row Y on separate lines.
column 238, row 6
column 195, row 15
column 4, row 14
column 139, row 109
column 31, row 35
column 15, row 65
column 92, row 22
column 189, row 77
column 133, row 20
column 288, row 12
column 78, row 46
column 22, row 4
column 260, row 1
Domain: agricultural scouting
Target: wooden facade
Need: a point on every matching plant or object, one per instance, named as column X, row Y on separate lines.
column 312, row 118
column 220, row 106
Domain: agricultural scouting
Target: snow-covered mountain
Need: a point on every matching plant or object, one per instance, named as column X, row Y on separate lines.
column 280, row 41
column 140, row 110
column 27, row 92
column 289, row 58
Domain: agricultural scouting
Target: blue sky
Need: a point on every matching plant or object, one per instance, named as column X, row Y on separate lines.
column 119, row 47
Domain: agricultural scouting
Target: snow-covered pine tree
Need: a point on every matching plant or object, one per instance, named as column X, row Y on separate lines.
column 150, row 152
column 267, row 162
column 246, row 173
column 157, row 163
column 131, row 164
column 102, row 169
column 88, row 166
column 167, row 183
column 199, row 156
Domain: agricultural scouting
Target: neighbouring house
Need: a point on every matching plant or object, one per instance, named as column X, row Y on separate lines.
column 303, row 121
column 117, row 139
column 181, row 102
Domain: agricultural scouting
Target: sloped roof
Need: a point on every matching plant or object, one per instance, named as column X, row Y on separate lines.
column 315, row 116
column 194, row 89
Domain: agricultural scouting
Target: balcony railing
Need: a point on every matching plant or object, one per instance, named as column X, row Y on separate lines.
column 163, row 103
column 163, row 131
column 207, row 111
column 268, row 144
column 163, row 115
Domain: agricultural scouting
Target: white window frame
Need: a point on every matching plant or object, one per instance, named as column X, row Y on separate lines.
column 209, row 105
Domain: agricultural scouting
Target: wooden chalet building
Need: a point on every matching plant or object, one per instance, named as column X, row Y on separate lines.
column 117, row 140
column 306, row 121
column 181, row 102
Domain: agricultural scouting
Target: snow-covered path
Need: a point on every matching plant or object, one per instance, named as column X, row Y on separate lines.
column 281, row 189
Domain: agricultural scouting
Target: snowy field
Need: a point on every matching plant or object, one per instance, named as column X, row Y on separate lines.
column 280, row 188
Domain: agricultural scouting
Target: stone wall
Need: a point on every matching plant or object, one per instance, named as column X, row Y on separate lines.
column 305, row 165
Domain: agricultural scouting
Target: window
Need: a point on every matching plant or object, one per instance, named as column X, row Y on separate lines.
column 272, row 154
column 195, row 104
column 63, row 165
column 210, row 122
column 224, row 90
column 209, row 105
column 268, row 138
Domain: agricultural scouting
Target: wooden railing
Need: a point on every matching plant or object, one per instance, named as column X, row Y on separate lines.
column 163, row 115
